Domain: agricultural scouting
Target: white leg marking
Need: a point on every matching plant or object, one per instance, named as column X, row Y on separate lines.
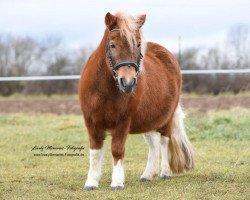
column 165, row 168
column 118, row 175
column 152, row 168
column 95, row 165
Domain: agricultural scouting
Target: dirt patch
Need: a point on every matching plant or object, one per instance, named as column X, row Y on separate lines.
column 208, row 103
column 54, row 106
column 71, row 106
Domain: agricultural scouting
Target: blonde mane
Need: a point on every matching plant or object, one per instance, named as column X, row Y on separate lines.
column 128, row 26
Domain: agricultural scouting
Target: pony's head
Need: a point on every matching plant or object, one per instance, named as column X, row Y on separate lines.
column 124, row 48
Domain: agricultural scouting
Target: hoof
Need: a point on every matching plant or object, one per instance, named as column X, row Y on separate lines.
column 89, row 188
column 165, row 177
column 144, row 179
column 117, row 188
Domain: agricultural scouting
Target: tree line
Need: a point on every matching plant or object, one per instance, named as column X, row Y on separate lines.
column 232, row 54
column 25, row 56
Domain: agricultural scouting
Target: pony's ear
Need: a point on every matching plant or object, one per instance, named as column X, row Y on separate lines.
column 141, row 20
column 110, row 21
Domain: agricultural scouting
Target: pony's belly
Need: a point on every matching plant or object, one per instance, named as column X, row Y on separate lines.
column 149, row 123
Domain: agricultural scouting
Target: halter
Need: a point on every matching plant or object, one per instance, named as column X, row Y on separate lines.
column 116, row 66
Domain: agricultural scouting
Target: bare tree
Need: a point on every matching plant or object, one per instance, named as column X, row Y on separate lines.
column 215, row 58
column 238, row 39
column 16, row 57
column 79, row 58
column 189, row 58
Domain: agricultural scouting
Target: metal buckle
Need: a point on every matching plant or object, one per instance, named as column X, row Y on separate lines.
column 115, row 75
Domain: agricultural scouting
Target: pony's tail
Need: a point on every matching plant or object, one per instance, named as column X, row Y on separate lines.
column 180, row 149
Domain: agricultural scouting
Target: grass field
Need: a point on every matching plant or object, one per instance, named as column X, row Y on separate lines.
column 221, row 140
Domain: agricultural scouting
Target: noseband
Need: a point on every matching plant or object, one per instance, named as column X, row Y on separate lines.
column 116, row 66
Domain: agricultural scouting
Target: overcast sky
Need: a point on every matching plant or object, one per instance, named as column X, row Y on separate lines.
column 81, row 22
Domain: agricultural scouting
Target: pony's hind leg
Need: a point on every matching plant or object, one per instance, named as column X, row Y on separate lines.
column 166, row 172
column 152, row 168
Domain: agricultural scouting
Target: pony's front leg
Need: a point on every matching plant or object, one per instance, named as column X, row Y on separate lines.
column 96, row 137
column 118, row 149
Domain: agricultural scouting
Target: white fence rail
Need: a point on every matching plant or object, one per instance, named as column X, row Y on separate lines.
column 40, row 78
column 216, row 71
column 76, row 77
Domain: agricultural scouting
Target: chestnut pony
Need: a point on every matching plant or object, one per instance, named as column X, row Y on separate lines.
column 129, row 86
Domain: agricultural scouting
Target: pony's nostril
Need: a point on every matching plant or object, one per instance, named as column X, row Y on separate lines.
column 123, row 82
column 132, row 82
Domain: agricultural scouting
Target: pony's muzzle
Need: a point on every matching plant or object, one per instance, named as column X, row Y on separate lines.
column 127, row 85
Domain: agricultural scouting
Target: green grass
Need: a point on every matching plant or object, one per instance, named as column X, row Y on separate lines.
column 221, row 140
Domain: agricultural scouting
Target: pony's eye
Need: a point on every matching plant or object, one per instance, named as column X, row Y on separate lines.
column 112, row 46
column 138, row 45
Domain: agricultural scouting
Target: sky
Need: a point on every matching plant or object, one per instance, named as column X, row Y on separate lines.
column 81, row 23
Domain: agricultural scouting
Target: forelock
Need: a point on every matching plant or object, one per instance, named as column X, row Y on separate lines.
column 128, row 26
